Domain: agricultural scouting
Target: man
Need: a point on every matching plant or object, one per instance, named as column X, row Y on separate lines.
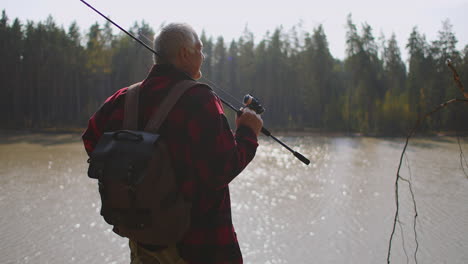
column 204, row 151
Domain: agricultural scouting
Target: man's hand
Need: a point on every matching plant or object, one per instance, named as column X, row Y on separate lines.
column 250, row 119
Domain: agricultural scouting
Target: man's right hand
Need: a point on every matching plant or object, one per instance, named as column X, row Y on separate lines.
column 250, row 119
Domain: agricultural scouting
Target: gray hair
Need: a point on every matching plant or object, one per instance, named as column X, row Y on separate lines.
column 171, row 38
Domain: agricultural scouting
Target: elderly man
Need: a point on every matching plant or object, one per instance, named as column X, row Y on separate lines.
column 204, row 151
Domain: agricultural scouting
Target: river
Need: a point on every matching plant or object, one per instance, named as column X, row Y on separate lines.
column 340, row 209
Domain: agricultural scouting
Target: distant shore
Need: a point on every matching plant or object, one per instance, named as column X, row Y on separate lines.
column 285, row 133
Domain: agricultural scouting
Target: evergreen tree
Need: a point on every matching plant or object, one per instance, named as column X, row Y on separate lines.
column 75, row 75
column 418, row 79
column 52, row 80
column 233, row 69
column 444, row 49
column 219, row 62
column 319, row 76
column 394, row 68
column 364, row 86
column 208, row 51
column 11, row 48
column 394, row 114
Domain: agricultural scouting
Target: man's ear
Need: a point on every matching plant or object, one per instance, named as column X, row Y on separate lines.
column 180, row 58
column 183, row 54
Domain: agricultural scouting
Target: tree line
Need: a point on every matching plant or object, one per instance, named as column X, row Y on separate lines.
column 56, row 77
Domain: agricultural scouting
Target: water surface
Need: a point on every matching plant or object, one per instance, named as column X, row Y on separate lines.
column 340, row 209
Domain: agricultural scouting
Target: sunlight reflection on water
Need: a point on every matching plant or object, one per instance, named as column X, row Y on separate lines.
column 337, row 210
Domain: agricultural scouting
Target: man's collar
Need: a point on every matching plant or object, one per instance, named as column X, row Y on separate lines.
column 168, row 69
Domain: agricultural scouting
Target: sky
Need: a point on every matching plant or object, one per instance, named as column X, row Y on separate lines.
column 230, row 18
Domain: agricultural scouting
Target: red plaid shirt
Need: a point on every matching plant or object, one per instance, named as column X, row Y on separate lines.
column 205, row 154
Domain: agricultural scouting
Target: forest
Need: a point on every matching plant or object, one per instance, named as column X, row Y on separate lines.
column 54, row 77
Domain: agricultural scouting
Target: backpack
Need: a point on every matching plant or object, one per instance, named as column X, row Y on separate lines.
column 139, row 191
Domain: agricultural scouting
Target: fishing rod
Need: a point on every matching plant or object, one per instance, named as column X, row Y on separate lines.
column 249, row 101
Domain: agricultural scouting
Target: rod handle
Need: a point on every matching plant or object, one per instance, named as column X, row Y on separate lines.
column 266, row 132
column 298, row 155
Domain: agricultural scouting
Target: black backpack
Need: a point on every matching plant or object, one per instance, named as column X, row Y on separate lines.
column 140, row 195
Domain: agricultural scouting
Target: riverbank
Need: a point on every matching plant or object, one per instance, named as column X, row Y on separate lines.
column 277, row 132
column 42, row 137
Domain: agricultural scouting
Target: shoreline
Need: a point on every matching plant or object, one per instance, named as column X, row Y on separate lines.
column 284, row 133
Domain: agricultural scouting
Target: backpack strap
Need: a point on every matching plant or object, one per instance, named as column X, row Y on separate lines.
column 171, row 99
column 130, row 121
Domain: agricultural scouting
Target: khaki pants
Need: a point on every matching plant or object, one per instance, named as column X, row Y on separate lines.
column 139, row 255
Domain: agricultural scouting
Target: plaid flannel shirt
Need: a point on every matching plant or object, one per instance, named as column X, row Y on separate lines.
column 204, row 151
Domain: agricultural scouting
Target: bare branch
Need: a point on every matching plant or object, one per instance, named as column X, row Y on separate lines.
column 398, row 176
column 457, row 80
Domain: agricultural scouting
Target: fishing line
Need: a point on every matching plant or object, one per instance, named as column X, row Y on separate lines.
column 211, row 83
column 228, row 94
column 203, row 77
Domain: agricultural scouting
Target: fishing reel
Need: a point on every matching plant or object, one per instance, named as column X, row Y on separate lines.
column 249, row 101
column 253, row 103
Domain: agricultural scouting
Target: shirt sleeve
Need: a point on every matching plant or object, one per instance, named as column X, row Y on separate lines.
column 107, row 117
column 218, row 155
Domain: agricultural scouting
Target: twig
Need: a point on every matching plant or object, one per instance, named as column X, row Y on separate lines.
column 462, row 158
column 403, row 240
column 415, row 218
column 456, row 78
column 398, row 176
